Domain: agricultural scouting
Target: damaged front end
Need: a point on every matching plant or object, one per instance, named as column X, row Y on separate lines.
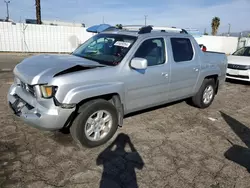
column 32, row 95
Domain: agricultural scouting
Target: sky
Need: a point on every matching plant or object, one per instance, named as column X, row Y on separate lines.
column 179, row 13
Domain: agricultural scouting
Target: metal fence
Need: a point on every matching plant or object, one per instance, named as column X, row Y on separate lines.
column 21, row 37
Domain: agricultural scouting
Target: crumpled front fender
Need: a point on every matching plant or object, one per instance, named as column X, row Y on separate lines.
column 81, row 93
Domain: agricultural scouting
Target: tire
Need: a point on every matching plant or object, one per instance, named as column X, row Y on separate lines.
column 80, row 124
column 198, row 99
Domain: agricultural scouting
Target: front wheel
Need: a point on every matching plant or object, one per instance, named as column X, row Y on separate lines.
column 205, row 95
column 95, row 124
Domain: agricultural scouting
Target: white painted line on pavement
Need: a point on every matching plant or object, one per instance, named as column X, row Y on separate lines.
column 5, row 70
column 212, row 119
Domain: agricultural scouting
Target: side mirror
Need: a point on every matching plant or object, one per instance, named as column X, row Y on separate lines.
column 139, row 63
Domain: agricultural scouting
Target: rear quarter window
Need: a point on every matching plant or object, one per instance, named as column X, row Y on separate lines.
column 182, row 49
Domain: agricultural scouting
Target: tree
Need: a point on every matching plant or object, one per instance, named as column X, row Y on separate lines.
column 215, row 25
column 249, row 35
column 118, row 26
column 38, row 12
column 206, row 33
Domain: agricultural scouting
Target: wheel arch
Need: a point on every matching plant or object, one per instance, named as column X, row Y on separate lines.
column 215, row 77
column 113, row 98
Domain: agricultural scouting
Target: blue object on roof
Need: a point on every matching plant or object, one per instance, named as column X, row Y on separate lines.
column 100, row 28
column 194, row 32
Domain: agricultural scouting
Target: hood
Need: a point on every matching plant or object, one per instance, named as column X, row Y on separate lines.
column 41, row 69
column 238, row 60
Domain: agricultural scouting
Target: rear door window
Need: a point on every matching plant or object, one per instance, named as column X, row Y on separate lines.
column 182, row 49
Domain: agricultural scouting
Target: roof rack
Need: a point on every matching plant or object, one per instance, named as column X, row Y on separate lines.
column 149, row 28
column 141, row 29
column 145, row 29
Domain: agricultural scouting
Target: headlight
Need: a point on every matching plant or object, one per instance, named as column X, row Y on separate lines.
column 48, row 91
column 16, row 81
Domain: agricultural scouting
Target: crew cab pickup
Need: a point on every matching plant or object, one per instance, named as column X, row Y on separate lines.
column 110, row 75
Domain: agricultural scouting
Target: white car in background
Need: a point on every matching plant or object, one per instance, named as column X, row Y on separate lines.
column 239, row 65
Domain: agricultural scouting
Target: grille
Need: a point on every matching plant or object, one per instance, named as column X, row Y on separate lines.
column 238, row 67
column 27, row 105
column 28, row 88
column 238, row 76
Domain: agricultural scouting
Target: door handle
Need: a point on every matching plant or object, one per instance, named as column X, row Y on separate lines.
column 196, row 69
column 164, row 74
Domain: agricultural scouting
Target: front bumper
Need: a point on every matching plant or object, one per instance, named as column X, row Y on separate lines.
column 28, row 109
column 236, row 74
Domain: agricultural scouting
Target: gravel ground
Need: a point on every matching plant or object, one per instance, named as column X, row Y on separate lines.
column 9, row 60
column 172, row 146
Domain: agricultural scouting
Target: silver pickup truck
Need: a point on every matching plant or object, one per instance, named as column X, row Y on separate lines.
column 113, row 74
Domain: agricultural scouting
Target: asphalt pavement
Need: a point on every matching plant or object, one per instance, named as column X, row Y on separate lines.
column 9, row 60
column 172, row 146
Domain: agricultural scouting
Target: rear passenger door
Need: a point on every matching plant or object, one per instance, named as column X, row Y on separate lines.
column 184, row 69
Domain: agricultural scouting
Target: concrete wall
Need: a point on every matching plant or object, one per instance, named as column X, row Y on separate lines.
column 219, row 43
column 21, row 37
column 40, row 38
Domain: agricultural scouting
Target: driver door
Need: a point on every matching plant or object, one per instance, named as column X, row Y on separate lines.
column 146, row 88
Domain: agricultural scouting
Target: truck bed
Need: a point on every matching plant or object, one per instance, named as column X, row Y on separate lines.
column 217, row 58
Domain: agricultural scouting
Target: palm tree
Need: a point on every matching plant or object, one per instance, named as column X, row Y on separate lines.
column 215, row 25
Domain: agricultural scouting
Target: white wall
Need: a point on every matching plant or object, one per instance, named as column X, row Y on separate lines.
column 40, row 38
column 45, row 38
column 219, row 43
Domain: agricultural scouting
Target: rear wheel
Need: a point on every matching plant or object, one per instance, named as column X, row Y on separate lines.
column 95, row 124
column 205, row 95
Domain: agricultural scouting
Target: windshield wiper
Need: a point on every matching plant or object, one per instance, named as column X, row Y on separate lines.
column 106, row 63
column 86, row 57
column 93, row 52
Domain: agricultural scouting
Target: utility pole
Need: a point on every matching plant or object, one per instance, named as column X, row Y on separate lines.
column 229, row 28
column 103, row 19
column 7, row 7
column 38, row 12
column 145, row 19
column 205, row 31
